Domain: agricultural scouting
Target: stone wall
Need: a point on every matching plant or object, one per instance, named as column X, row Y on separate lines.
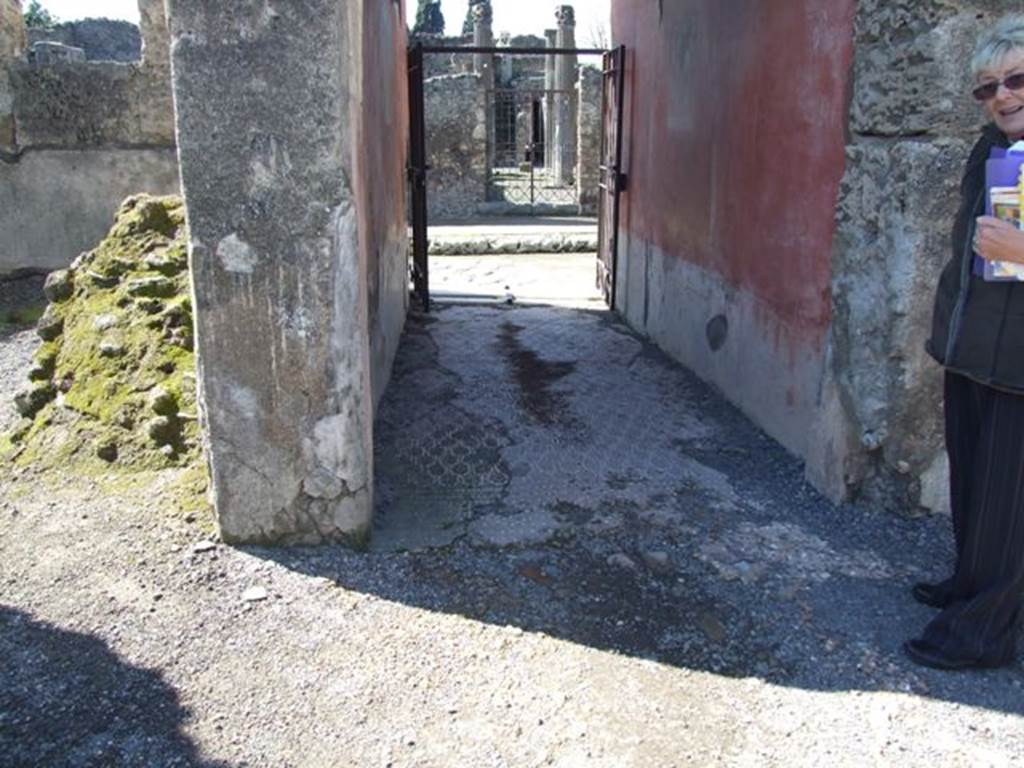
column 588, row 161
column 911, row 126
column 456, row 145
column 96, row 131
column 12, row 48
column 101, row 39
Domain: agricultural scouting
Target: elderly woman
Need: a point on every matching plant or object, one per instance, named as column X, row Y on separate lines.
column 978, row 336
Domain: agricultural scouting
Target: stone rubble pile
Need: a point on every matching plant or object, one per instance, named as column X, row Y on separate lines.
column 114, row 377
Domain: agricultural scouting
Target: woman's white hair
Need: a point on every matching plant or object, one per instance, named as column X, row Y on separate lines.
column 1006, row 36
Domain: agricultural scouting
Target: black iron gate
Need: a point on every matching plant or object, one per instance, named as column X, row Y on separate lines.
column 519, row 172
column 612, row 179
column 418, row 176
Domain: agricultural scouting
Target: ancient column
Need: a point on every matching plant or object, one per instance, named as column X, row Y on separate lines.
column 506, row 70
column 588, row 144
column 155, row 35
column 267, row 112
column 483, row 65
column 483, row 37
column 550, row 36
column 12, row 49
column 565, row 98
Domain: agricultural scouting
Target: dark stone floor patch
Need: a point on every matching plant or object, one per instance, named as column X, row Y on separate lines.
column 534, row 377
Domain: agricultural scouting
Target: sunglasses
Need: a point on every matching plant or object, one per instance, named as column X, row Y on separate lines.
column 986, row 91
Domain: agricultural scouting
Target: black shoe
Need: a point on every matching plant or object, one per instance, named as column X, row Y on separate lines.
column 927, row 655
column 935, row 595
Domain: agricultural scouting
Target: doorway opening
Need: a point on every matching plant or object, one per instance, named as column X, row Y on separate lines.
column 520, row 158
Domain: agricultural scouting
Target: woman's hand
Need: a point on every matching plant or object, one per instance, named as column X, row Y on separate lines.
column 998, row 240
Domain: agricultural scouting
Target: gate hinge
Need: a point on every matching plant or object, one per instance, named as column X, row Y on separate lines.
column 621, row 182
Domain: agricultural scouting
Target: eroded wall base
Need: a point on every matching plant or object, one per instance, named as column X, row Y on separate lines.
column 725, row 336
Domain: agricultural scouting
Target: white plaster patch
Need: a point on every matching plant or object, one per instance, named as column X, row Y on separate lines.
column 352, row 513
column 338, row 446
column 236, row 255
column 244, row 401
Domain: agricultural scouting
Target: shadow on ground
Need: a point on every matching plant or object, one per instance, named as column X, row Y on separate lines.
column 66, row 699
column 553, row 471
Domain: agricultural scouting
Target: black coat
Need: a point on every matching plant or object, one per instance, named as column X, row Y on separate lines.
column 978, row 326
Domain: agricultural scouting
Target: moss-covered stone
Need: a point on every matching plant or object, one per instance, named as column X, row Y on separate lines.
column 58, row 286
column 110, row 365
column 43, row 363
column 156, row 286
column 162, row 402
column 51, row 324
column 30, row 401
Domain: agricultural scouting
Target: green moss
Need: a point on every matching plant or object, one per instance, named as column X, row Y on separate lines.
column 99, row 423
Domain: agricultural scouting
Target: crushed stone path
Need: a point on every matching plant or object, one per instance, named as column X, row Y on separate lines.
column 582, row 557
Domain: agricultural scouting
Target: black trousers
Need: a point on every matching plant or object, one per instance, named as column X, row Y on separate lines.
column 985, row 442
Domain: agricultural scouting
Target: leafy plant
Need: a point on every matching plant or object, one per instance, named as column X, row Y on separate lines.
column 429, row 19
column 37, row 17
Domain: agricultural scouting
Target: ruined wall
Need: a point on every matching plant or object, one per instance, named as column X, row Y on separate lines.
column 911, row 126
column 12, row 48
column 438, row 64
column 380, row 184
column 92, row 132
column 734, row 149
column 589, row 139
column 456, row 145
column 101, row 39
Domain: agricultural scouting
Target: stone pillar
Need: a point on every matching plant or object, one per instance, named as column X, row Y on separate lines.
column 483, row 37
column 483, row 65
column 588, row 143
column 551, row 37
column 565, row 99
column 155, row 35
column 506, row 70
column 266, row 104
column 12, row 31
column 12, row 48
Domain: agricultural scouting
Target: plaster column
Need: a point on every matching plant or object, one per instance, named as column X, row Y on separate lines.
column 267, row 112
column 550, row 37
column 12, row 49
column 565, row 99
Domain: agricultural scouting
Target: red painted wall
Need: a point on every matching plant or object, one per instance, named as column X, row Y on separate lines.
column 736, row 117
column 381, row 144
column 383, row 132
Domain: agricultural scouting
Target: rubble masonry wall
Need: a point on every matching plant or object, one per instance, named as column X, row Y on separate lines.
column 911, row 125
column 456, row 145
column 76, row 138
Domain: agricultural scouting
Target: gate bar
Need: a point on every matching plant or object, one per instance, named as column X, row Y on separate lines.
column 620, row 67
column 514, row 51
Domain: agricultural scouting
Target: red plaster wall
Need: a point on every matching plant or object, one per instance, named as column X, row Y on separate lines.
column 736, row 115
column 382, row 139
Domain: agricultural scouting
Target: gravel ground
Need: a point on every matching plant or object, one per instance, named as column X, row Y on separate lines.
column 16, row 343
column 583, row 557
